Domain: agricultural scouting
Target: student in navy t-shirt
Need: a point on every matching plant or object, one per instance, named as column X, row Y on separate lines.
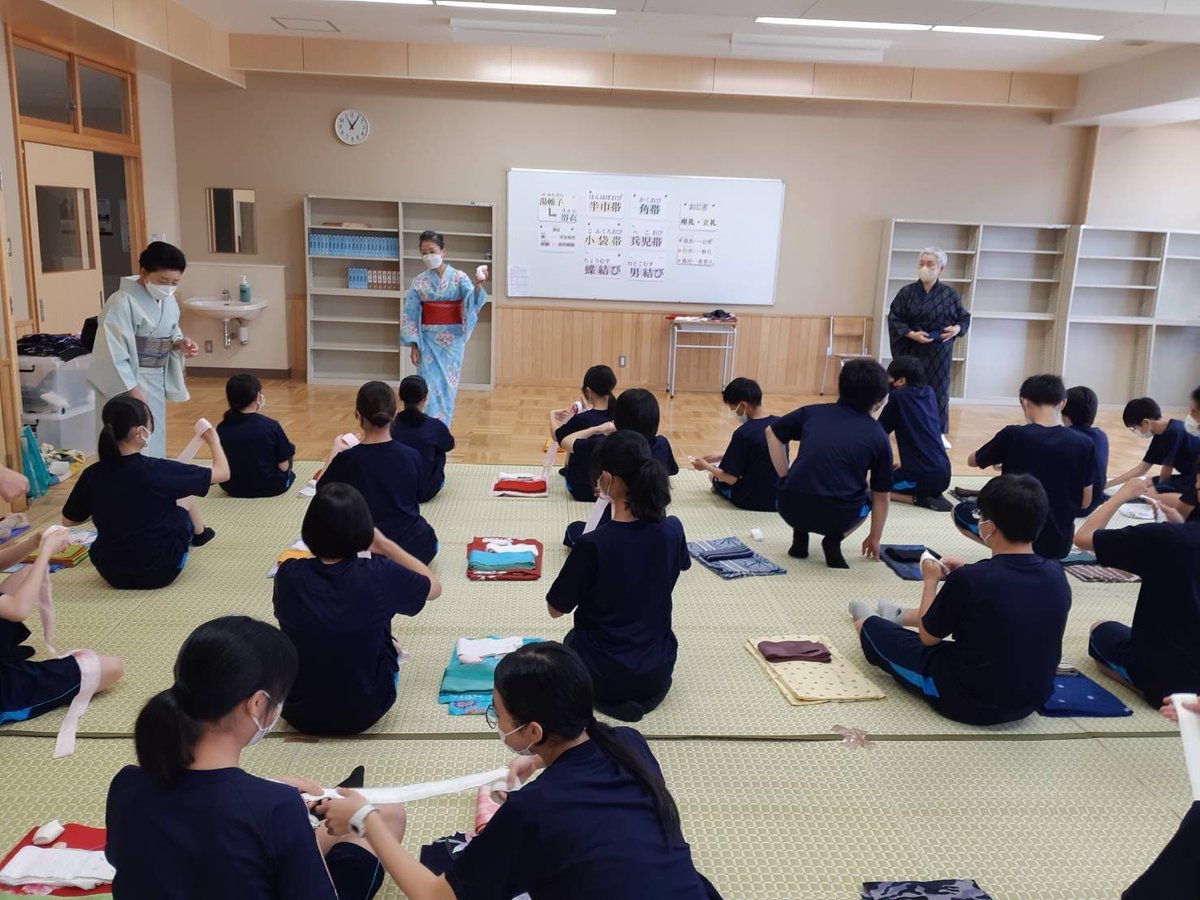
column 1062, row 459
column 187, row 822
column 593, row 408
column 30, row 688
column 618, row 582
column 1006, row 614
column 428, row 436
column 842, row 452
column 633, row 410
column 144, row 509
column 386, row 472
column 597, row 824
column 337, row 608
column 259, row 453
column 1171, row 447
column 1158, row 655
column 923, row 473
column 744, row 473
column 1079, row 414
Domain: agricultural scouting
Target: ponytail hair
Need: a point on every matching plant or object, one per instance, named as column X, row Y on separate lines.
column 626, row 455
column 548, row 683
column 240, row 391
column 222, row 663
column 413, row 389
column 121, row 415
column 376, row 403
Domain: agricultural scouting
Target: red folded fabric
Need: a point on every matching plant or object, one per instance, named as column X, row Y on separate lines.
column 521, row 487
column 77, row 837
column 522, row 575
column 794, row 651
column 441, row 312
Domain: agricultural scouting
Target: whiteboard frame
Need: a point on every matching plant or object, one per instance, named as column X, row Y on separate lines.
column 778, row 251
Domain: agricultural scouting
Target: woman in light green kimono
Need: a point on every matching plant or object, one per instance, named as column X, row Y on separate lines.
column 139, row 347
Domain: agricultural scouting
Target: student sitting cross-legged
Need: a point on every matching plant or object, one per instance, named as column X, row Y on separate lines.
column 258, row 450
column 911, row 412
column 842, row 451
column 386, row 472
column 1079, row 414
column 1006, row 614
column 428, row 436
column 1171, row 447
column 144, row 509
column 597, row 824
column 1158, row 655
column 1062, row 459
column 188, row 822
column 618, row 582
column 594, row 406
column 337, row 608
column 744, row 473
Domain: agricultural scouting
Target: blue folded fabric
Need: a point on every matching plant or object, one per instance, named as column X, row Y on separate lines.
column 488, row 561
column 721, row 559
column 960, row 888
column 1078, row 695
column 471, row 681
column 1078, row 558
column 909, row 571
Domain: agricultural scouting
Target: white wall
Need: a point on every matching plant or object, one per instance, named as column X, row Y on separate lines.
column 1147, row 178
column 156, row 119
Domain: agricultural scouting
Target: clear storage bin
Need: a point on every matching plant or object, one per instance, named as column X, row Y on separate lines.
column 72, row 429
column 50, row 385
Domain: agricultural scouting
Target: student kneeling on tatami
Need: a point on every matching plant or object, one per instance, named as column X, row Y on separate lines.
column 1006, row 614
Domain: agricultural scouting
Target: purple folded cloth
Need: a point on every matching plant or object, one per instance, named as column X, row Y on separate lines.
column 794, row 651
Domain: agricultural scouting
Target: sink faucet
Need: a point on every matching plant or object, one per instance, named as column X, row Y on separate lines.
column 226, row 297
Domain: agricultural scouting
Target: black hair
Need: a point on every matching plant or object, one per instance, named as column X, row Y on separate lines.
column 429, row 235
column 376, row 403
column 742, row 390
column 240, row 391
column 413, row 389
column 548, row 683
column 1138, row 409
column 626, row 455
column 1081, row 407
column 637, row 410
column 121, row 415
column 1017, row 505
column 862, row 384
column 221, row 664
column 1196, row 396
column 910, row 368
column 159, row 256
column 337, row 523
column 600, row 380
column 1043, row 390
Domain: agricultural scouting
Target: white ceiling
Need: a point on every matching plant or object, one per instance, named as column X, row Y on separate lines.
column 704, row 27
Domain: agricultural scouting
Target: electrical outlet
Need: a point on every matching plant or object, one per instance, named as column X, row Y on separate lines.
column 208, row 346
column 621, row 361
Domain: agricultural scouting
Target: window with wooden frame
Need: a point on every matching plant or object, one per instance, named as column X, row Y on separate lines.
column 70, row 94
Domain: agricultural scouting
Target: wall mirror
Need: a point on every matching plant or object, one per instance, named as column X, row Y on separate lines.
column 231, row 221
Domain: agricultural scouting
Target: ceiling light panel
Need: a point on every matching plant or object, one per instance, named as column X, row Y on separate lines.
column 1019, row 32
column 842, row 23
column 528, row 7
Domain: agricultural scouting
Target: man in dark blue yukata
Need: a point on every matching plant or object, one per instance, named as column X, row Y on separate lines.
column 926, row 318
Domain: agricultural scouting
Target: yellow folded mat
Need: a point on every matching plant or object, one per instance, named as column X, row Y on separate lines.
column 810, row 683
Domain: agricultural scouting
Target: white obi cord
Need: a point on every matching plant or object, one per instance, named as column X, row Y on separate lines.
column 602, row 503
column 496, row 780
column 194, row 445
column 89, row 683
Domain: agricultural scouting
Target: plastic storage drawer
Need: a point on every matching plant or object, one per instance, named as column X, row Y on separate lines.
column 74, row 429
column 50, row 385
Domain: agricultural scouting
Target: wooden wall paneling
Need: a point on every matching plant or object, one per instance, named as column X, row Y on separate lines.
column 218, row 53
column 663, row 73
column 266, row 52
column 143, row 20
column 761, row 78
column 59, row 28
column 337, row 57
column 459, row 62
column 958, row 86
column 297, row 338
column 1042, row 90
column 98, row 11
column 862, row 82
column 189, row 37
column 561, row 68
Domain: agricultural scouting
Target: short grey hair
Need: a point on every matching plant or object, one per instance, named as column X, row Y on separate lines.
column 937, row 253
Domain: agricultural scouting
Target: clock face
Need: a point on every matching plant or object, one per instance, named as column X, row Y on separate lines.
column 351, row 127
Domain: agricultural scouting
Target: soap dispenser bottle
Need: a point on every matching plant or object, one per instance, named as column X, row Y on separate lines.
column 244, row 290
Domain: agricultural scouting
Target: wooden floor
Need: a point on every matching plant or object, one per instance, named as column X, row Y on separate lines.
column 509, row 425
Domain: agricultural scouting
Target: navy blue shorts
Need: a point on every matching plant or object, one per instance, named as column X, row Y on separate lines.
column 1179, row 483
column 920, row 484
column 356, row 872
column 1176, row 871
column 29, row 689
column 1109, row 644
column 964, row 516
column 820, row 515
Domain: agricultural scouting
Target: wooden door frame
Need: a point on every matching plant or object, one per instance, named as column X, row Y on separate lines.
column 79, row 138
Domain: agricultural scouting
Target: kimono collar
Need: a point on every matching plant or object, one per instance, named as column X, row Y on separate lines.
column 132, row 285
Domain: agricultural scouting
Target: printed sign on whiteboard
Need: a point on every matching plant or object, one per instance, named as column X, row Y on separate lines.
column 602, row 265
column 606, row 205
column 556, row 237
column 695, row 250
column 650, row 206
column 646, row 267
column 648, row 237
column 698, row 216
column 604, row 235
column 555, row 207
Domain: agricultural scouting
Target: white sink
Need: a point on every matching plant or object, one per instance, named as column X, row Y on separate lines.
column 216, row 308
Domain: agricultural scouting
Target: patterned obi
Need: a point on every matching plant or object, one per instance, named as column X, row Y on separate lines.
column 153, row 352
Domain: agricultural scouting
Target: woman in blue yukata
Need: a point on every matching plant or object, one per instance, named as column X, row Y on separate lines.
column 440, row 312
column 139, row 347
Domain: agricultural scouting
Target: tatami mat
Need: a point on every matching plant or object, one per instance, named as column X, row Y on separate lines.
column 718, row 690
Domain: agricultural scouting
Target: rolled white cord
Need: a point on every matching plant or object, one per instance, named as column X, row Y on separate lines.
column 194, row 445
column 495, row 779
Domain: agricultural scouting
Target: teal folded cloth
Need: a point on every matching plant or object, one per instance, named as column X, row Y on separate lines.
column 470, row 678
column 486, row 561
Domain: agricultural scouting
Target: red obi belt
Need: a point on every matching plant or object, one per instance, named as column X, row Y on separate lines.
column 442, row 312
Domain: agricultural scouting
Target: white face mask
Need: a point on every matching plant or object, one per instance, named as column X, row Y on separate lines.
column 144, row 433
column 262, row 401
column 927, row 274
column 1144, row 435
column 432, row 260
column 741, row 416
column 264, row 730
column 528, row 751
column 160, row 291
column 1192, row 425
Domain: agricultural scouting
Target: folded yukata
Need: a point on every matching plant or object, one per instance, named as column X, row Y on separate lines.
column 730, row 558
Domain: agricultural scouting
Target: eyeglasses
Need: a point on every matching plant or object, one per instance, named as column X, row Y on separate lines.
column 489, row 716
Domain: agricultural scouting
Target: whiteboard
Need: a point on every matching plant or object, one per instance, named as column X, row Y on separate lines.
column 675, row 239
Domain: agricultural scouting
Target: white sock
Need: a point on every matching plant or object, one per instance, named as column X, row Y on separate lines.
column 891, row 611
column 860, row 610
